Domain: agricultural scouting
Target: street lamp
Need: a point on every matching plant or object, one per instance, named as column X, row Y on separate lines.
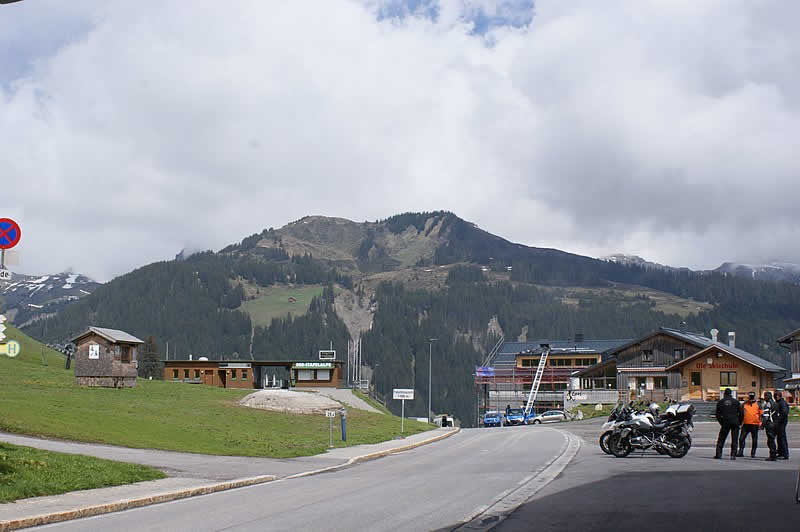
column 430, row 355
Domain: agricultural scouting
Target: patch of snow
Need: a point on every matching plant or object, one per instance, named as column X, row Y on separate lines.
column 71, row 279
column 35, row 306
column 67, row 286
column 40, row 279
column 84, row 291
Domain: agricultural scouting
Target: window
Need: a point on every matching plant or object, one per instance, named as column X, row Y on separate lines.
column 526, row 362
column 323, row 374
column 559, row 386
column 660, row 383
column 233, row 374
column 647, row 355
column 695, row 378
column 305, row 374
column 244, row 374
column 174, row 373
column 125, row 353
column 94, row 351
column 727, row 378
column 197, row 374
column 560, row 362
column 677, row 354
column 186, row 374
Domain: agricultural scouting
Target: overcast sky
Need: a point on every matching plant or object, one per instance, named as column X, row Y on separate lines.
column 664, row 128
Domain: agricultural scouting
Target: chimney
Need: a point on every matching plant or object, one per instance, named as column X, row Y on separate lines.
column 190, row 357
column 714, row 333
column 578, row 338
column 732, row 339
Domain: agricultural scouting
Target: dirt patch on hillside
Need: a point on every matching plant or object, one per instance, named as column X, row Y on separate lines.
column 289, row 401
column 354, row 311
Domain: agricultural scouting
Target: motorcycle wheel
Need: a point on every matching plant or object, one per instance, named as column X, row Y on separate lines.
column 604, row 441
column 661, row 450
column 681, row 447
column 620, row 447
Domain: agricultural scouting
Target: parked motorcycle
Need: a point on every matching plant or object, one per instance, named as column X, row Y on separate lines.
column 669, row 435
column 619, row 414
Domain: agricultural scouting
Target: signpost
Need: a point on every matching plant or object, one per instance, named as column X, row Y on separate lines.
column 330, row 414
column 327, row 354
column 10, row 233
column 403, row 394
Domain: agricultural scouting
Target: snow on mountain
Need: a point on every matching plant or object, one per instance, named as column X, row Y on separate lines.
column 772, row 271
column 25, row 298
column 635, row 260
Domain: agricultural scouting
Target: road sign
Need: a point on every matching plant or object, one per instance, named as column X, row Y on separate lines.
column 330, row 413
column 403, row 393
column 5, row 275
column 10, row 233
column 10, row 349
column 328, row 354
column 2, row 327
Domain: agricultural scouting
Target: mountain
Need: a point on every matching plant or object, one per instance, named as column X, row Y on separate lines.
column 773, row 271
column 635, row 260
column 398, row 282
column 26, row 298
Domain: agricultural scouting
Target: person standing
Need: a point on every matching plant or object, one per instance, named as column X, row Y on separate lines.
column 769, row 410
column 780, row 426
column 751, row 422
column 729, row 415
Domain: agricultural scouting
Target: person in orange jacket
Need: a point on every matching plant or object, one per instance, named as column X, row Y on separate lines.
column 751, row 422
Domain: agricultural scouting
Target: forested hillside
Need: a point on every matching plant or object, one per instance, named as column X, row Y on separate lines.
column 195, row 304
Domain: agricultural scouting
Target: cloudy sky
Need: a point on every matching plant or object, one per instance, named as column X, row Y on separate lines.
column 664, row 128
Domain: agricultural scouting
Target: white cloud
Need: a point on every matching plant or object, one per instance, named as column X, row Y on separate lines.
column 660, row 128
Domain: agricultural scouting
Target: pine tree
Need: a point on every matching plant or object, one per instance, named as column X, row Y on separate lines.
column 149, row 363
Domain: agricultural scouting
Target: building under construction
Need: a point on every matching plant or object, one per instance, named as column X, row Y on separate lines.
column 510, row 369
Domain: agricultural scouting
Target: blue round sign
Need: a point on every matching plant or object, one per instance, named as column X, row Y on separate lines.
column 10, row 233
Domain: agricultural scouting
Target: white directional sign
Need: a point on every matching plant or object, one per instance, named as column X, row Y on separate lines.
column 5, row 275
column 2, row 327
column 327, row 354
column 403, row 393
column 330, row 413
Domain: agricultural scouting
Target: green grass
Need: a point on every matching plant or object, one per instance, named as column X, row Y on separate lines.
column 590, row 412
column 371, row 402
column 45, row 401
column 27, row 472
column 273, row 302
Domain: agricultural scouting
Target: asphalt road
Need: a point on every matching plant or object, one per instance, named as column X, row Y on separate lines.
column 437, row 486
column 646, row 491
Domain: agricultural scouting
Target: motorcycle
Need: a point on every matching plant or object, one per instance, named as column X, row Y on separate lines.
column 617, row 416
column 671, row 435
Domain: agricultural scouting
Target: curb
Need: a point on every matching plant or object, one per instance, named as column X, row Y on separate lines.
column 89, row 511
column 129, row 504
column 375, row 455
column 489, row 517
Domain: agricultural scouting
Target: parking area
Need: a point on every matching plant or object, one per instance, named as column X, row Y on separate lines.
column 652, row 492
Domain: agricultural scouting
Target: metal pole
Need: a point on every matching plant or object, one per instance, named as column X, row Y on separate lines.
column 402, row 415
column 330, row 432
column 430, row 355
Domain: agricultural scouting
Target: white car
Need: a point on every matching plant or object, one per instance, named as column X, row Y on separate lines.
column 551, row 416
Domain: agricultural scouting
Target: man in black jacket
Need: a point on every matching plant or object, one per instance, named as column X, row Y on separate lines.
column 770, row 411
column 780, row 425
column 729, row 415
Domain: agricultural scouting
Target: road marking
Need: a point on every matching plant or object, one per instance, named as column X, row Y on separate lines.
column 488, row 517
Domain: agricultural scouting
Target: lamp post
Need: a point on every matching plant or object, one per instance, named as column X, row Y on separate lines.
column 430, row 356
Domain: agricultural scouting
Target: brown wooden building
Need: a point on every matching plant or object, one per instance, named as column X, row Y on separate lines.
column 106, row 357
column 791, row 341
column 706, row 374
column 255, row 373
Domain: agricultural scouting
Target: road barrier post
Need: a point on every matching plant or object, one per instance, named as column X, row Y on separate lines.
column 402, row 415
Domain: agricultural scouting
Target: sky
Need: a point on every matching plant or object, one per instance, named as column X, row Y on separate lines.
column 667, row 129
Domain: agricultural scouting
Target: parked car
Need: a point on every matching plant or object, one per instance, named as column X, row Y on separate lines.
column 515, row 416
column 551, row 416
column 492, row 419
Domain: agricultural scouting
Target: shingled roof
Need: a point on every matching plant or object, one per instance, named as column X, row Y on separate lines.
column 112, row 335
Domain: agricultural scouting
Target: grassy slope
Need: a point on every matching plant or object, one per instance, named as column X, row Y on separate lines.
column 27, row 472
column 40, row 400
column 273, row 302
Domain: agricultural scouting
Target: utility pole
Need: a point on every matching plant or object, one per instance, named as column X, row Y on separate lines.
column 430, row 356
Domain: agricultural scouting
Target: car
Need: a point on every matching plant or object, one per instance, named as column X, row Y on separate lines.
column 550, row 416
column 515, row 416
column 492, row 419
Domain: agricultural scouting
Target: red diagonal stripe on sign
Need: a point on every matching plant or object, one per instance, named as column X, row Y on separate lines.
column 4, row 233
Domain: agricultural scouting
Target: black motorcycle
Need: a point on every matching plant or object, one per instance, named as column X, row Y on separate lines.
column 670, row 434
